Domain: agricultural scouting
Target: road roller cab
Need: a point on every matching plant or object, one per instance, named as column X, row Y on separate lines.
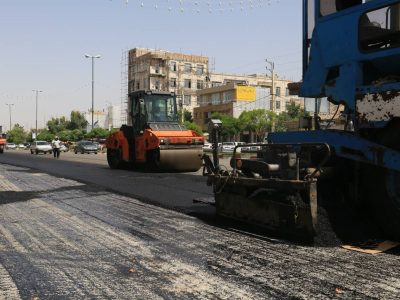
column 154, row 136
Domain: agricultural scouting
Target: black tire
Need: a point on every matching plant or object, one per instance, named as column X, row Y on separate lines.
column 1, row 149
column 76, row 152
column 114, row 158
column 382, row 187
column 36, row 152
column 95, row 153
column 82, row 152
column 50, row 152
column 31, row 151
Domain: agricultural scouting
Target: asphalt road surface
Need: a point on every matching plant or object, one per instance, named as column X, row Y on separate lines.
column 69, row 235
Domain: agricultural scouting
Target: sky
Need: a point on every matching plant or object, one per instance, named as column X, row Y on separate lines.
column 43, row 43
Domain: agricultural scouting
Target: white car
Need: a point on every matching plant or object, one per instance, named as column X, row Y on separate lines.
column 11, row 146
column 207, row 147
column 228, row 146
column 41, row 147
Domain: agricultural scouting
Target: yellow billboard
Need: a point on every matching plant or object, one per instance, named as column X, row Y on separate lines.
column 245, row 93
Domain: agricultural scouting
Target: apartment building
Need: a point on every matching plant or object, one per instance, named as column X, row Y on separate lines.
column 235, row 97
column 187, row 75
column 167, row 71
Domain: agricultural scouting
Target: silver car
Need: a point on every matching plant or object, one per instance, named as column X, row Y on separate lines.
column 41, row 147
column 85, row 147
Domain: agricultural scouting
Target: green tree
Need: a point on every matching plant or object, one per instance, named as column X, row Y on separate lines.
column 45, row 135
column 294, row 110
column 293, row 114
column 77, row 121
column 193, row 126
column 77, row 135
column 98, row 133
column 187, row 116
column 16, row 135
column 258, row 121
column 230, row 125
column 56, row 125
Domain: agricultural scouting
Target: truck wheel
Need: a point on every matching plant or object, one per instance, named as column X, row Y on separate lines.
column 114, row 158
column 31, row 151
column 1, row 149
column 36, row 152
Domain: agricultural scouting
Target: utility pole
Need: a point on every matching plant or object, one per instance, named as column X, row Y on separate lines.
column 273, row 94
column 92, row 57
column 9, row 109
column 37, row 96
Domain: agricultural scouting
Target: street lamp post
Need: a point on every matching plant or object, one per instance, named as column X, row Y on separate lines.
column 92, row 57
column 273, row 94
column 37, row 96
column 9, row 109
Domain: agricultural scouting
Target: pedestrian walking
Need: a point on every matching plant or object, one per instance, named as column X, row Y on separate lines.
column 56, row 144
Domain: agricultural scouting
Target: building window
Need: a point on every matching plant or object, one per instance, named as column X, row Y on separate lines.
column 138, row 85
column 199, row 70
column 188, row 84
column 157, row 69
column 228, row 96
column 278, row 105
column 187, row 99
column 287, row 103
column 200, row 84
column 287, row 92
column 278, row 91
column 173, row 66
column 172, row 82
column 216, row 83
column 187, row 68
column 215, row 99
column 157, row 85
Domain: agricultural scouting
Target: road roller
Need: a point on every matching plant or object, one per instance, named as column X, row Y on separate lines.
column 3, row 142
column 153, row 137
column 351, row 56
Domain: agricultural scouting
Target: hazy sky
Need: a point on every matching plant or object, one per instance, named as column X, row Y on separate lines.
column 43, row 42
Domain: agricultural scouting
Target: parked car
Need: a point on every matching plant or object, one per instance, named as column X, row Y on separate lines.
column 11, row 146
column 207, row 147
column 41, row 147
column 254, row 148
column 227, row 146
column 21, row 146
column 86, row 147
column 98, row 145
